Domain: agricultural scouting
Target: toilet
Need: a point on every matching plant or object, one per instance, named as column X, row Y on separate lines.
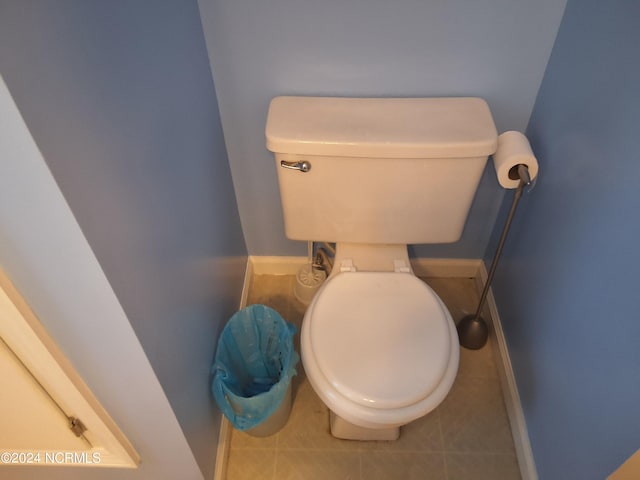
column 375, row 175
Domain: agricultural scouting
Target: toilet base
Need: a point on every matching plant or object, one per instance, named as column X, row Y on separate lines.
column 340, row 428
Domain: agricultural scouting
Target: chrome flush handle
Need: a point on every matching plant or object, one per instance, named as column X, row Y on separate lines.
column 303, row 166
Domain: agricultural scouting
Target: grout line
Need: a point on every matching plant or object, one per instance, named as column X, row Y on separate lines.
column 277, row 448
column 444, row 455
column 446, row 467
column 275, row 458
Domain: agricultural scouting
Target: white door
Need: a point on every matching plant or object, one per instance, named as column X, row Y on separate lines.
column 48, row 416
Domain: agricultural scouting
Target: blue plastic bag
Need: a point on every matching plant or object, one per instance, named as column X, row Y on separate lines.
column 254, row 363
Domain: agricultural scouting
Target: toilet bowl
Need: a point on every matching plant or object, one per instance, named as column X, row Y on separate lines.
column 380, row 349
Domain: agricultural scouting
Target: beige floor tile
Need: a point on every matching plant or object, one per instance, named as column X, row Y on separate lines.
column 308, row 429
column 422, row 435
column 251, row 464
column 482, row 467
column 405, row 466
column 473, row 418
column 318, row 465
column 273, row 291
column 296, row 309
column 242, row 440
column 458, row 294
column 478, row 363
column 461, row 298
column 302, row 389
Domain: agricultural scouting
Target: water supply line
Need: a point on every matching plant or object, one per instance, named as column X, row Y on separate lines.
column 322, row 261
column 472, row 329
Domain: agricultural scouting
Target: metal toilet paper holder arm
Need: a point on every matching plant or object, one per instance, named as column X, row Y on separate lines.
column 473, row 331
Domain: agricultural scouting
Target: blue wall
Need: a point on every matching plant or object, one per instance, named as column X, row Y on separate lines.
column 567, row 287
column 119, row 98
column 497, row 49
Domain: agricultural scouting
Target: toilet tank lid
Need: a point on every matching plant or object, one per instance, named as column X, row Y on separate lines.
column 442, row 127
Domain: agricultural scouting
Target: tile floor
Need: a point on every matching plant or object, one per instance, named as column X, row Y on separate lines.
column 466, row 437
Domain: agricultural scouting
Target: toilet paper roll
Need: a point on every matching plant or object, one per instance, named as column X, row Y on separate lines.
column 513, row 150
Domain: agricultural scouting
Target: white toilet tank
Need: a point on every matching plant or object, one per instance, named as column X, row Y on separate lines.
column 379, row 170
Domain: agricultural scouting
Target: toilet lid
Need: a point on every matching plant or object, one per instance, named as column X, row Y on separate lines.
column 381, row 339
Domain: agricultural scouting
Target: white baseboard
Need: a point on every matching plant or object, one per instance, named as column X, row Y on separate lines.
column 276, row 265
column 222, row 454
column 423, row 267
column 224, row 436
column 246, row 284
column 509, row 388
column 446, row 267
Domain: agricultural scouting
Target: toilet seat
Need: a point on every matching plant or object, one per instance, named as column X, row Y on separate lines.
column 379, row 348
column 372, row 332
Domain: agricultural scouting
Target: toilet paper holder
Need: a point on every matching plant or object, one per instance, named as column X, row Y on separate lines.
column 473, row 331
column 521, row 172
